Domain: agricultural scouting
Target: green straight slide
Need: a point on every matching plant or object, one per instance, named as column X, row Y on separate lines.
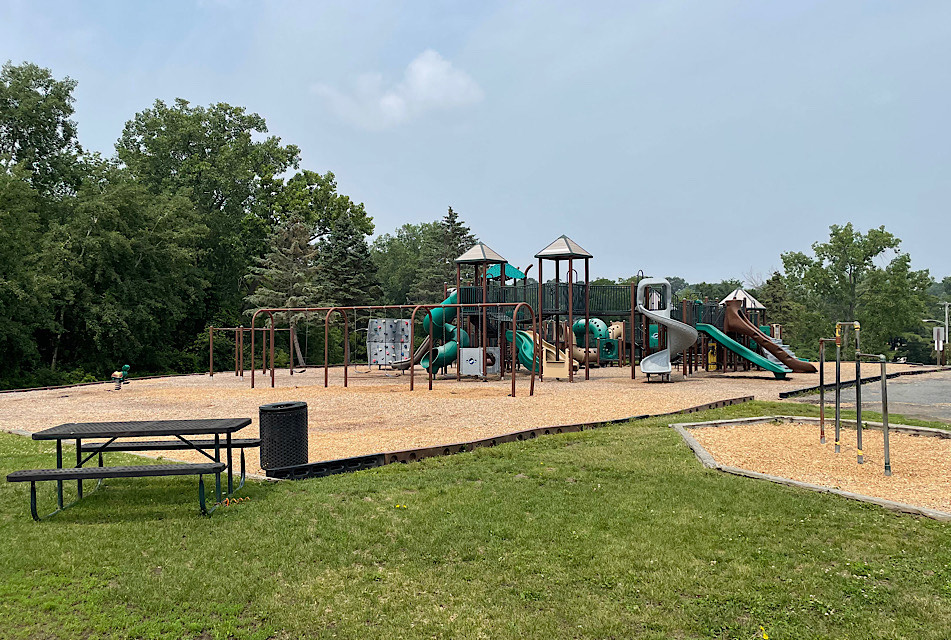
column 718, row 336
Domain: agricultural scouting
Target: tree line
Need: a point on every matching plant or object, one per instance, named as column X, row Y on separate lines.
column 199, row 217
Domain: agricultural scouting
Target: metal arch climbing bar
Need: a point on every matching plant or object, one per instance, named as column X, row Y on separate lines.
column 412, row 337
column 346, row 343
column 516, row 306
column 536, row 346
column 270, row 313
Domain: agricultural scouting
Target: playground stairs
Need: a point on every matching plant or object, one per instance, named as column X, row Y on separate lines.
column 782, row 345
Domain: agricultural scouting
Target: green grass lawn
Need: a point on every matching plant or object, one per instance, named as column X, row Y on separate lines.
column 612, row 533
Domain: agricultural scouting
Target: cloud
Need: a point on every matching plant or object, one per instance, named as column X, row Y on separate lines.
column 430, row 83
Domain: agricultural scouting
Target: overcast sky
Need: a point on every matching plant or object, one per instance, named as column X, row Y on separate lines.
column 699, row 139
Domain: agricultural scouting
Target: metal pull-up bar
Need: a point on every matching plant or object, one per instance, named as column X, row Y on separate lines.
column 858, row 407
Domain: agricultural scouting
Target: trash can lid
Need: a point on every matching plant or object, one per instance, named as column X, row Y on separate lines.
column 283, row 406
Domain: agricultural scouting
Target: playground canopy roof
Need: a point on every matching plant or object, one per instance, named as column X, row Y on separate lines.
column 749, row 301
column 480, row 254
column 563, row 247
column 510, row 272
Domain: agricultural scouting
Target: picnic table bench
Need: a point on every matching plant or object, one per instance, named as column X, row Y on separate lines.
column 221, row 429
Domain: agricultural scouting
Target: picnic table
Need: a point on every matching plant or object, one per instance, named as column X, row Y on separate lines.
column 126, row 436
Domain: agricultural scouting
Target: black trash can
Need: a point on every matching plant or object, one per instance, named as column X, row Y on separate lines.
column 283, row 428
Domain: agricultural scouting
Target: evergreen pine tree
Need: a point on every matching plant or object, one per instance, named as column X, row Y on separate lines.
column 287, row 275
column 458, row 238
column 347, row 272
column 437, row 258
column 431, row 273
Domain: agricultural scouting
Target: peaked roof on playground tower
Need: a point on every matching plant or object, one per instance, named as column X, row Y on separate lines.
column 480, row 254
column 749, row 301
column 563, row 247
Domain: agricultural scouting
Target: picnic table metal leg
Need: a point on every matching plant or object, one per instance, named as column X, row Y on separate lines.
column 241, row 481
column 230, row 476
column 33, row 512
column 201, row 495
column 79, row 463
column 218, row 473
column 59, row 465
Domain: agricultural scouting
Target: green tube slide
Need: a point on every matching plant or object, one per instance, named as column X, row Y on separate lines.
column 718, row 336
column 447, row 333
column 599, row 331
column 597, row 328
column 525, row 348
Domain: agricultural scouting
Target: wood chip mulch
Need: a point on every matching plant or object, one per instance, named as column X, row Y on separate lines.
column 921, row 465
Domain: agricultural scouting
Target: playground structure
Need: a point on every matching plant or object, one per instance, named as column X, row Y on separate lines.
column 486, row 327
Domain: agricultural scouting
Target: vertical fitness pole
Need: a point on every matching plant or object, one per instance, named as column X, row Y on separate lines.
column 211, row 352
column 822, row 392
column 888, row 460
column 858, row 398
column 822, row 389
column 838, row 388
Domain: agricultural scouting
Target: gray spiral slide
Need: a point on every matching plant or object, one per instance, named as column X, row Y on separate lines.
column 680, row 336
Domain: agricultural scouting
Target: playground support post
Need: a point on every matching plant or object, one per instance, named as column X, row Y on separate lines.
column 569, row 335
column 587, row 322
column 458, row 299
column 633, row 325
column 822, row 389
column 541, row 319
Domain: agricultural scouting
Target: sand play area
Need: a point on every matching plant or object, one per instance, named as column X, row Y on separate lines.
column 378, row 413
